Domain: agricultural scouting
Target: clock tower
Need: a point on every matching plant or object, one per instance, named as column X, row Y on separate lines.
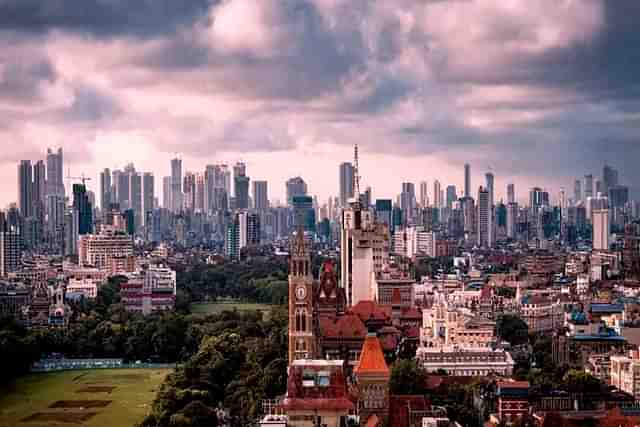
column 302, row 341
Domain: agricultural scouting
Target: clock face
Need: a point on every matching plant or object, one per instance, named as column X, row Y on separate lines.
column 301, row 292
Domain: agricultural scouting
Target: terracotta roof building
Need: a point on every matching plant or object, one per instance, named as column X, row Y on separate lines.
column 372, row 375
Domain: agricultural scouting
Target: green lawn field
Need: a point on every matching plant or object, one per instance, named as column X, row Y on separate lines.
column 204, row 309
column 92, row 398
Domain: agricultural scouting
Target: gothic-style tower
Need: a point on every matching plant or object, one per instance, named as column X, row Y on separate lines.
column 301, row 328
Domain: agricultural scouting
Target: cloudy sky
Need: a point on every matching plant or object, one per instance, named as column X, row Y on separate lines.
column 536, row 91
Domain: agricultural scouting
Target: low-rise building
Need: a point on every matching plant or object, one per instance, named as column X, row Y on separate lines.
column 625, row 373
column 466, row 362
column 512, row 400
column 99, row 250
column 149, row 290
column 85, row 286
column 317, row 394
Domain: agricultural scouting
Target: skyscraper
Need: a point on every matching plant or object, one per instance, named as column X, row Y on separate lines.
column 199, row 193
column 242, row 192
column 452, row 195
column 512, row 217
column 424, row 194
column 408, row 201
column 239, row 169
column 55, row 180
column 135, row 198
column 437, row 194
column 467, row 180
column 295, row 187
column 609, row 178
column 167, row 190
column 346, row 183
column 490, row 188
column 148, row 191
column 260, row 195
column 10, row 253
column 600, row 218
column 511, row 193
column 189, row 191
column 39, row 185
column 485, row 219
column 209, row 188
column 176, row 184
column 25, row 188
column 105, row 190
column 303, row 213
column 120, row 181
column 538, row 198
column 577, row 191
column 618, row 196
column 588, row 186
column 82, row 207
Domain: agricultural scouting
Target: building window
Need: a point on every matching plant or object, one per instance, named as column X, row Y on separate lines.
column 301, row 320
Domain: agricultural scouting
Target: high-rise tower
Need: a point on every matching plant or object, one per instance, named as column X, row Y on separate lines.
column 467, row 180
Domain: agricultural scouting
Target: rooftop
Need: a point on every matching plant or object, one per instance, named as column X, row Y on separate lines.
column 372, row 359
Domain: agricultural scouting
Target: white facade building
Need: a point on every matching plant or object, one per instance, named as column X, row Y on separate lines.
column 86, row 286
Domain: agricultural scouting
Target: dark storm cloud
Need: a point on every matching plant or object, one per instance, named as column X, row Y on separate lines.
column 101, row 17
column 309, row 59
column 90, row 105
column 20, row 77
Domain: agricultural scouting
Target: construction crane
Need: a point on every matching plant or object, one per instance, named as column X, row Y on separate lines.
column 78, row 178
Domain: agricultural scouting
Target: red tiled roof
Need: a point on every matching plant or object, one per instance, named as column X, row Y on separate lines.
column 411, row 313
column 346, row 326
column 371, row 358
column 369, row 310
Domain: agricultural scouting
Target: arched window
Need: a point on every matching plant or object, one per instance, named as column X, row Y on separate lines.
column 301, row 320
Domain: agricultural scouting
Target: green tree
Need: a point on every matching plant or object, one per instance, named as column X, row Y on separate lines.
column 512, row 329
column 407, row 377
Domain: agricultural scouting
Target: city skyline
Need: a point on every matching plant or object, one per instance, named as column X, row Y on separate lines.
column 421, row 95
column 276, row 197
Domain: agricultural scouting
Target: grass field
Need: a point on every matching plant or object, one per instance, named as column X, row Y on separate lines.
column 204, row 309
column 95, row 398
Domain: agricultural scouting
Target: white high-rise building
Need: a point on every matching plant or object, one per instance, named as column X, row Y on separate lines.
column 365, row 247
column 600, row 218
column 346, row 183
column 490, row 179
column 55, row 181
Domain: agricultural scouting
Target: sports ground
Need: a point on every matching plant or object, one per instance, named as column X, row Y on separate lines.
column 92, row 398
